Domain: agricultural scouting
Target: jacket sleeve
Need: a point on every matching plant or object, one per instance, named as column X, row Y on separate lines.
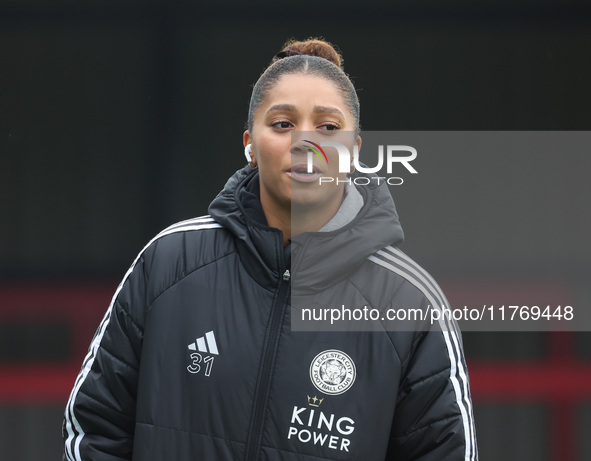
column 433, row 419
column 100, row 415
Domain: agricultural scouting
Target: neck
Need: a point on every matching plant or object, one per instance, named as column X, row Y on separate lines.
column 295, row 220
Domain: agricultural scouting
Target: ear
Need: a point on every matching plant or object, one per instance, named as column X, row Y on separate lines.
column 247, row 147
column 246, row 138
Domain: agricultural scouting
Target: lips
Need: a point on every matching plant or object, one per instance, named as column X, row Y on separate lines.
column 299, row 172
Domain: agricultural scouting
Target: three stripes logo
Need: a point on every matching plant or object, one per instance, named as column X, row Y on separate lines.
column 201, row 344
column 206, row 344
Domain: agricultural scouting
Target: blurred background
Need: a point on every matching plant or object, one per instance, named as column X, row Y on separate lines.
column 117, row 120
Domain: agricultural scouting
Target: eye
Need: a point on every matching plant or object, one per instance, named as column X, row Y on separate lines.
column 283, row 124
column 330, row 127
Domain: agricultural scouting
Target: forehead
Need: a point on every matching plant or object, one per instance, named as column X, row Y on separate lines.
column 303, row 89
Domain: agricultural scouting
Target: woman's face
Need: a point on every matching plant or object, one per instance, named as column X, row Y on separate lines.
column 313, row 105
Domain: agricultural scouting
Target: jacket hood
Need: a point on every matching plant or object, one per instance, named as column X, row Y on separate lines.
column 318, row 259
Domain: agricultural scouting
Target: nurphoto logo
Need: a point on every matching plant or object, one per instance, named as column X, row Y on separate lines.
column 388, row 157
column 345, row 157
column 315, row 148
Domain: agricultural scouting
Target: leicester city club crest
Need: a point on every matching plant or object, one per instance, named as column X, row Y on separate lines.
column 332, row 372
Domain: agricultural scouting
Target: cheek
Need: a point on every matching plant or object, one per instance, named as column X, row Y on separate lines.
column 273, row 150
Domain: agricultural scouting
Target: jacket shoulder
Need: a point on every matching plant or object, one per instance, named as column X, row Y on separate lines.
column 408, row 286
column 407, row 278
column 183, row 248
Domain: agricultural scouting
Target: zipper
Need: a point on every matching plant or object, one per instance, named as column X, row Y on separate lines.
column 262, row 392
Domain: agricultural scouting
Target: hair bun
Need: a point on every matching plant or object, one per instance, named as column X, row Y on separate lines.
column 311, row 47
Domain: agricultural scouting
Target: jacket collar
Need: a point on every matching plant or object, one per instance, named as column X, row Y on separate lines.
column 318, row 259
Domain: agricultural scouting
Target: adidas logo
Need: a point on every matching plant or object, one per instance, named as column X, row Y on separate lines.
column 205, row 344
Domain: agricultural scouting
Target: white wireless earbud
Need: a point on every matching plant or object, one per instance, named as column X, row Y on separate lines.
column 247, row 153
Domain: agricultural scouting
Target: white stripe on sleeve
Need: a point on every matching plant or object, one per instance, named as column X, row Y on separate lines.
column 74, row 430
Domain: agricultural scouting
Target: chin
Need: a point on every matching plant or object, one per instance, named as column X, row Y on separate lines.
column 305, row 200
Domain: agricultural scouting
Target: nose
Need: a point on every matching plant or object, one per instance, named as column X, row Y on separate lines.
column 299, row 147
column 306, row 125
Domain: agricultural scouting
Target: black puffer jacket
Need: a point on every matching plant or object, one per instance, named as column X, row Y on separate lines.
column 196, row 358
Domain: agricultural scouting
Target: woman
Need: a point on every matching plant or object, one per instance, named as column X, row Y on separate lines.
column 196, row 357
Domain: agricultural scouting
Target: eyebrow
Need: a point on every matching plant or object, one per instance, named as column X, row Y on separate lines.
column 282, row 107
column 317, row 109
column 328, row 110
